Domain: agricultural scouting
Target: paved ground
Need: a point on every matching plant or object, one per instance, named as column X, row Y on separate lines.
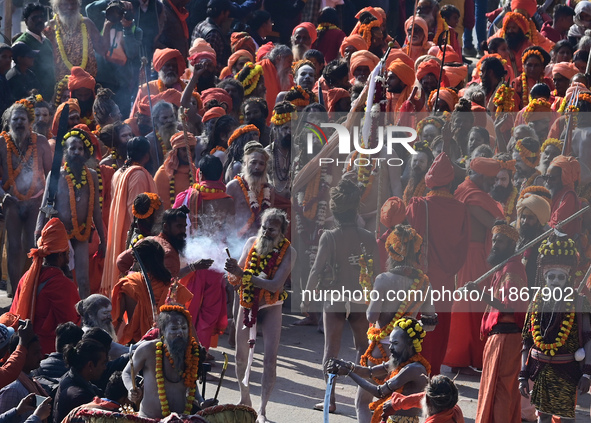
column 299, row 383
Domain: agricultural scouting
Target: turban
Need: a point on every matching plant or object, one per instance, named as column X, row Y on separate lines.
column 485, row 166
column 397, row 53
column 447, row 95
column 378, row 14
column 56, row 118
column 334, row 95
column 310, row 28
column 530, row 6
column 201, row 50
column 363, row 58
column 571, row 169
column 403, row 71
column 568, row 70
column 422, row 24
column 144, row 106
column 79, row 78
column 428, row 66
column 450, row 54
column 213, row 113
column 506, row 230
column 518, row 18
column 177, row 141
column 537, row 205
column 455, row 74
column 440, row 173
column 227, row 71
column 161, row 56
column 354, row 40
column 220, row 95
column 242, row 41
column 171, row 96
column 393, row 212
column 54, row 239
column 264, row 50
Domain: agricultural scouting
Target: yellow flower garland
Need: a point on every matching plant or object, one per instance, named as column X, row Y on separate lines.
column 160, row 379
column 563, row 333
column 60, row 44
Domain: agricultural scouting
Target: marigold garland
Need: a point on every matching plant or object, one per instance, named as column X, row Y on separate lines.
column 563, row 333
column 100, row 181
column 279, row 119
column 324, row 26
column 533, row 105
column 155, row 204
column 218, row 148
column 433, row 95
column 60, row 44
column 504, row 99
column 162, row 145
column 525, row 88
column 12, row 149
column 440, row 193
column 202, row 188
column 527, row 155
column 172, row 187
column 189, row 375
column 365, row 30
column 29, row 107
column 418, row 191
column 509, row 207
column 552, row 141
column 162, row 87
column 59, row 90
column 241, row 131
column 80, row 232
column 397, row 246
column 252, row 79
column 257, row 205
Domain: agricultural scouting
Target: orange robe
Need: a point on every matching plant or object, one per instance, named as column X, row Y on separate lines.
column 172, row 261
column 182, row 181
column 133, row 286
column 564, row 204
column 272, row 84
column 465, row 347
column 448, row 248
column 125, row 187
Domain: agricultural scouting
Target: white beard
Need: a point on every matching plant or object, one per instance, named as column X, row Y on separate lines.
column 255, row 183
column 263, row 245
column 69, row 21
column 167, row 131
column 167, row 78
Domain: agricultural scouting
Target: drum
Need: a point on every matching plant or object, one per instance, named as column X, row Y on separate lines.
column 229, row 413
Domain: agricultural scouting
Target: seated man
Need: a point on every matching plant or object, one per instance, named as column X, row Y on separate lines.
column 174, row 323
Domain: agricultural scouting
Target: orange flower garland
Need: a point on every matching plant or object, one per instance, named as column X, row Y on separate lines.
column 419, row 191
column 440, row 193
column 155, row 204
column 365, row 30
column 81, row 232
column 162, row 87
column 552, row 141
column 533, row 104
column 510, row 206
column 504, row 100
column 241, row 131
column 30, row 108
column 262, row 202
column 527, row 155
column 13, row 173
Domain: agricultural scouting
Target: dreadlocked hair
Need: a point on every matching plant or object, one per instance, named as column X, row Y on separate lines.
column 59, row 90
column 344, row 201
column 441, row 394
column 103, row 106
column 152, row 255
column 37, row 100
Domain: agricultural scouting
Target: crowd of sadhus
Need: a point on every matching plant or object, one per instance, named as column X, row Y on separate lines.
column 163, row 173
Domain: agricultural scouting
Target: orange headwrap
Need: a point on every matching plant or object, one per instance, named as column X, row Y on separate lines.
column 171, row 96
column 161, row 56
column 445, row 94
column 54, row 239
column 79, row 78
column 264, row 50
column 242, row 41
column 422, row 24
column 397, row 53
column 403, row 71
column 354, row 40
column 333, row 96
column 227, row 71
column 200, row 49
column 518, row 18
column 529, row 6
column 144, row 107
column 203, row 55
column 455, row 74
column 56, row 118
column 177, row 141
column 507, row 165
column 374, row 12
column 568, row 70
column 214, row 112
column 220, row 95
column 507, row 230
column 485, row 166
column 363, row 58
column 440, row 173
column 428, row 66
column 393, row 212
column 571, row 169
column 450, row 54
column 93, row 139
column 310, row 28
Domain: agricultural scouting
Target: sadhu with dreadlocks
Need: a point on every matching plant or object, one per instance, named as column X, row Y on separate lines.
column 407, row 369
column 78, row 203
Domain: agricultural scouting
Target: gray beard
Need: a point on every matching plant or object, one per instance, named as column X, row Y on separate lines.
column 255, row 183
column 107, row 326
column 19, row 134
column 69, row 22
column 167, row 131
column 168, row 79
column 263, row 245
column 298, row 51
column 177, row 352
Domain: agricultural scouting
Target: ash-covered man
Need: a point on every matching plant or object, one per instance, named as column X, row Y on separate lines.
column 163, row 363
column 263, row 268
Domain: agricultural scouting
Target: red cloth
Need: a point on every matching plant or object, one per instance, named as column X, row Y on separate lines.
column 219, row 94
column 55, row 304
column 465, row 347
column 208, row 306
column 329, row 43
column 241, row 40
column 213, row 113
column 271, row 83
column 550, row 33
column 440, row 173
column 530, row 6
column 362, row 58
column 392, row 212
column 448, row 248
column 12, row 367
column 333, row 95
column 263, row 51
column 406, row 402
column 485, row 166
column 453, row 415
column 196, row 198
column 428, row 66
column 564, row 204
column 79, row 78
column 511, row 275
